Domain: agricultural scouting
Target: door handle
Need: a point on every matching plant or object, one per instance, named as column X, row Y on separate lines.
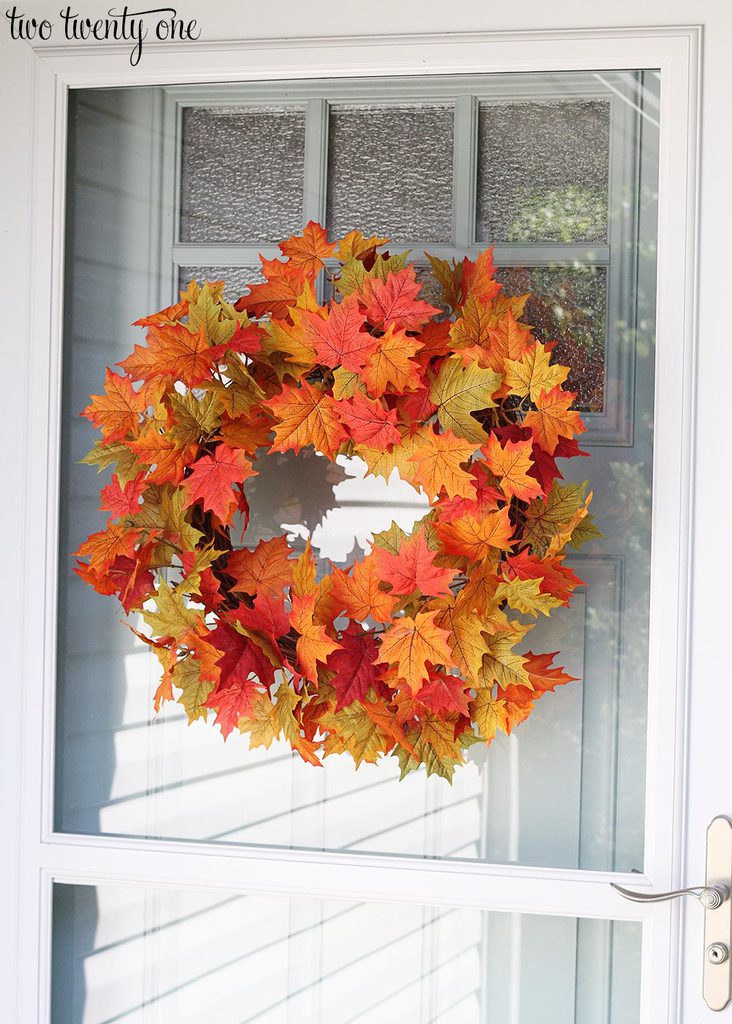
column 710, row 896
column 715, row 898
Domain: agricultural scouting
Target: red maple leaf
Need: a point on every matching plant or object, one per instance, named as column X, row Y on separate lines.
column 340, row 339
column 413, row 567
column 394, row 302
column 213, row 477
column 123, row 501
column 353, row 665
column 368, row 421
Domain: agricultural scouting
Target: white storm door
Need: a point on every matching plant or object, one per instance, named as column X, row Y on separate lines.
column 133, row 906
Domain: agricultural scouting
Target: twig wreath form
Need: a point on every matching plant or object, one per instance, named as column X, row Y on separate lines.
column 412, row 650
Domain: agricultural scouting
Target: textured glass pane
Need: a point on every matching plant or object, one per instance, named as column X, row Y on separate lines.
column 237, row 279
column 242, row 174
column 136, row 955
column 567, row 305
column 543, row 171
column 390, row 171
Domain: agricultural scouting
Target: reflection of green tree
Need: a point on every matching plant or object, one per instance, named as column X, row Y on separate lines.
column 569, row 214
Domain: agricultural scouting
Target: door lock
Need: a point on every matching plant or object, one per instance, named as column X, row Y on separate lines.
column 715, row 898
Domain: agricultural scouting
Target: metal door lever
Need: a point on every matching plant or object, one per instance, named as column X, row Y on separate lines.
column 715, row 898
column 710, row 896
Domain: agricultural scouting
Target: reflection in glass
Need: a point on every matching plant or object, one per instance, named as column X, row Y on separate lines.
column 133, row 955
column 543, row 171
column 241, row 173
column 566, row 789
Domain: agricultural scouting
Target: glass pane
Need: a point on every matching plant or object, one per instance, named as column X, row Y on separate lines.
column 543, row 171
column 568, row 305
column 236, row 278
column 390, row 171
column 241, row 173
column 133, row 955
column 566, row 789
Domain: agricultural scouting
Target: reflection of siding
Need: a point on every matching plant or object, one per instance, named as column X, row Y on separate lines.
column 189, row 957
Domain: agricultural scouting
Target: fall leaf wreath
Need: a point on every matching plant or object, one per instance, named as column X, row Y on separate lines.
column 411, row 651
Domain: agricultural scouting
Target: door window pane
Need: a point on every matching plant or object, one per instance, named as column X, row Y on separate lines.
column 543, row 171
column 390, row 171
column 241, row 173
column 134, row 955
column 567, row 788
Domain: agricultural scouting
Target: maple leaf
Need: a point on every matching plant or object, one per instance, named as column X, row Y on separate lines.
column 458, row 391
column 465, row 636
column 359, row 592
column 489, row 714
column 479, row 276
column 393, row 302
column 471, row 331
column 449, row 276
column 171, row 351
column 168, row 315
column 554, row 516
column 133, row 582
column 554, row 577
column 173, row 616
column 553, row 418
column 410, row 643
column 543, row 675
column 186, row 677
column 160, row 451
column 284, row 283
column 248, row 432
column 313, row 645
column 511, row 463
column 390, row 366
column 501, row 664
column 352, row 730
column 304, row 573
column 232, row 703
column 123, row 501
column 533, row 373
column 417, row 406
column 526, row 596
column 237, row 396
column 508, row 340
column 353, row 665
column 446, row 694
column 355, row 245
column 467, row 535
column 307, row 416
column 369, row 422
column 434, row 746
column 117, row 412
column 239, row 659
column 340, row 340
column 439, row 463
column 309, row 249
column 414, row 568
column 102, row 548
column 266, row 569
column 117, row 454
column 264, row 623
column 212, row 479
column 382, row 461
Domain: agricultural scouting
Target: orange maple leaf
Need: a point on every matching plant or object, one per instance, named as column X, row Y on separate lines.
column 309, row 249
column 172, row 351
column 264, row 570
column 212, row 479
column 102, row 548
column 117, row 413
column 166, row 457
column 313, row 645
column 473, row 537
column 285, row 281
column 413, row 567
column 413, row 642
column 390, row 366
column 360, row 594
column 440, row 460
column 553, row 418
column 511, row 464
column 307, row 416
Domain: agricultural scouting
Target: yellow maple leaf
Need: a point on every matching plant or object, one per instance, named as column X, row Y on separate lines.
column 458, row 391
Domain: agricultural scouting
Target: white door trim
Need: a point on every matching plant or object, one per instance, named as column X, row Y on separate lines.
column 45, row 855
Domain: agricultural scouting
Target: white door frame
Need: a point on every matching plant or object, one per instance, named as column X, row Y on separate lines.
column 44, row 855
